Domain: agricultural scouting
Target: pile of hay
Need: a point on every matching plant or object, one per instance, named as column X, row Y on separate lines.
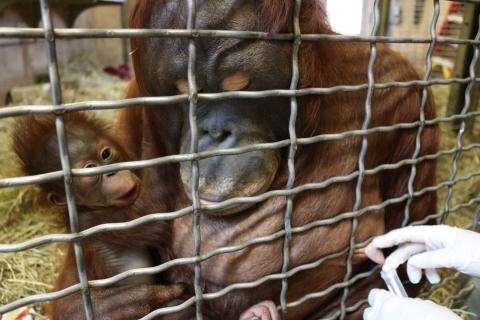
column 33, row 271
column 27, row 272
column 21, row 218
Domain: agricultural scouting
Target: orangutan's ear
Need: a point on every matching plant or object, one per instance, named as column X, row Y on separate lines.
column 57, row 200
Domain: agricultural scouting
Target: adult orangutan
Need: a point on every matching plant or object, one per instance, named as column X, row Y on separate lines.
column 227, row 64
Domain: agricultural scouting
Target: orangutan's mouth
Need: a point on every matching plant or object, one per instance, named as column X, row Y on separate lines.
column 204, row 200
column 210, row 205
column 129, row 197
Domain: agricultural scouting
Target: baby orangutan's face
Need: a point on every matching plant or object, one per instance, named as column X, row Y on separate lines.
column 90, row 150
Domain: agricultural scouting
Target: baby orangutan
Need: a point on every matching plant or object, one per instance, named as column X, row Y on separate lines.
column 100, row 199
column 104, row 199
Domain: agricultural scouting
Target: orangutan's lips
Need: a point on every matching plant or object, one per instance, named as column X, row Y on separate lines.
column 208, row 202
column 228, row 210
column 130, row 196
column 203, row 201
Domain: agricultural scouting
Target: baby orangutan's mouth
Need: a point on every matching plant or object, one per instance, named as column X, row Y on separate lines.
column 129, row 197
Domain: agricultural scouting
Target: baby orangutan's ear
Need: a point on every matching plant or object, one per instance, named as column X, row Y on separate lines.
column 57, row 200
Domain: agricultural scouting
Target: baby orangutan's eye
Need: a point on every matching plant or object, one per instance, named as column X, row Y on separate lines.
column 106, row 154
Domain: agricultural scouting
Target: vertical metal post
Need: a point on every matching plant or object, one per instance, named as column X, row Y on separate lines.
column 361, row 156
column 475, row 220
column 291, row 154
column 423, row 103
column 464, row 54
column 124, row 22
column 461, row 130
column 63, row 150
column 193, row 98
column 384, row 26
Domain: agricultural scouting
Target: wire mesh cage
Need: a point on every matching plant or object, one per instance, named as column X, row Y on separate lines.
column 460, row 148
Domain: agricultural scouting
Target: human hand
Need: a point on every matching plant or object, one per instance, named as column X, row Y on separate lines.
column 428, row 247
column 387, row 306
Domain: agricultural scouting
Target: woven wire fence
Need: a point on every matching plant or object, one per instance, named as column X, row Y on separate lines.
column 50, row 34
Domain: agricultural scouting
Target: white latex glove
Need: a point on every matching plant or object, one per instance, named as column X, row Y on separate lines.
column 387, row 306
column 429, row 247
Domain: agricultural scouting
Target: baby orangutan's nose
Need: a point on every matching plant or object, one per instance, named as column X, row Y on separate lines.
column 122, row 187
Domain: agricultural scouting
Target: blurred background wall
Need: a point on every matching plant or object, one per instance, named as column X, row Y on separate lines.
column 23, row 61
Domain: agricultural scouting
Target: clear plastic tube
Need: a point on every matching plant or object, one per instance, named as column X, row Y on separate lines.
column 394, row 284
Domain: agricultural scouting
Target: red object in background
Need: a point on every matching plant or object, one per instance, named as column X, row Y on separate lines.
column 123, row 71
column 454, row 8
column 23, row 315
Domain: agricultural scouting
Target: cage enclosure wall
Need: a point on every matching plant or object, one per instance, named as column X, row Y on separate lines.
column 214, row 155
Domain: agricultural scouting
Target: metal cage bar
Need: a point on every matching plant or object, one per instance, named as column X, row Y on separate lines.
column 291, row 153
column 476, row 220
column 153, row 270
column 239, row 200
column 192, row 97
column 423, row 103
column 362, row 155
column 290, row 191
column 312, row 186
column 461, row 130
column 63, row 153
column 143, row 164
column 242, row 200
column 91, row 33
column 160, row 101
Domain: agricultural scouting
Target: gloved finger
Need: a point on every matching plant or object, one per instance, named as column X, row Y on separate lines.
column 428, row 260
column 414, row 274
column 443, row 258
column 432, row 275
column 377, row 298
column 401, row 255
column 418, row 234
column 366, row 314
column 399, row 308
